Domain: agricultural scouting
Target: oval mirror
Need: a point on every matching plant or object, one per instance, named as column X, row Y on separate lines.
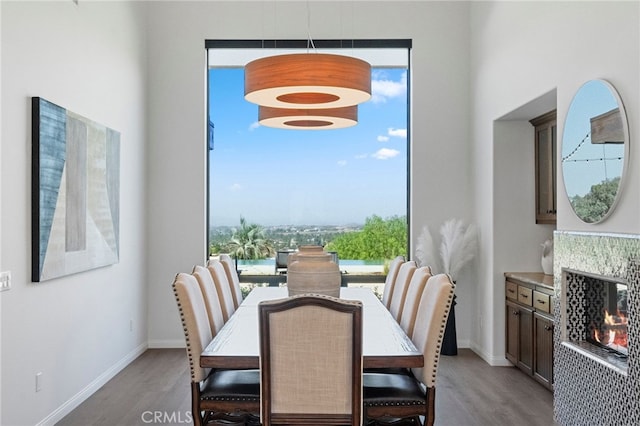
column 595, row 144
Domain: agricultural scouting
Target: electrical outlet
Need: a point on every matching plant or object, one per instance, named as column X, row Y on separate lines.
column 5, row 281
column 38, row 381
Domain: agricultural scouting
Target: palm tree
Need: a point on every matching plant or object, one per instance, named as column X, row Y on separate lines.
column 250, row 242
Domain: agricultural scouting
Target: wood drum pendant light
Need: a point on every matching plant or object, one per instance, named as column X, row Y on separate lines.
column 307, row 81
column 308, row 119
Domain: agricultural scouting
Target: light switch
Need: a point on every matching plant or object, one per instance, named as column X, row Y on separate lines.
column 5, row 281
column 38, row 381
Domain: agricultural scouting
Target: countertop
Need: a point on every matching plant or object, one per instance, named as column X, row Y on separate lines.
column 535, row 278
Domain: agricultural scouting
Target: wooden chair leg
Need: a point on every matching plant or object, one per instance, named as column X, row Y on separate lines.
column 196, row 413
column 431, row 407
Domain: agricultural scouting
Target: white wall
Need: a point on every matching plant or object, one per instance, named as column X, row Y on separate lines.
column 520, row 51
column 1, row 179
column 472, row 64
column 89, row 58
column 440, row 149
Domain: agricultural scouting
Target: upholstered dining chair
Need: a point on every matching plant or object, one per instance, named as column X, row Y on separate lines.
column 211, row 298
column 390, row 280
column 222, row 285
column 412, row 299
column 409, row 396
column 226, row 396
column 311, row 361
column 405, row 273
column 232, row 277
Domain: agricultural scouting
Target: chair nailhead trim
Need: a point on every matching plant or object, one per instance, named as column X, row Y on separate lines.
column 227, row 398
column 393, row 404
column 186, row 333
column 443, row 325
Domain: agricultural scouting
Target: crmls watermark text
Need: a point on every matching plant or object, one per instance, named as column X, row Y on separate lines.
column 167, row 417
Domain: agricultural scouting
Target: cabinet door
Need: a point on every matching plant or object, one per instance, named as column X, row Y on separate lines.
column 543, row 349
column 545, row 151
column 519, row 336
column 512, row 333
column 525, row 339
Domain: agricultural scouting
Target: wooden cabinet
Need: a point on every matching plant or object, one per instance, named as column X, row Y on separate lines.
column 529, row 324
column 512, row 335
column 545, row 167
column 520, row 337
column 543, row 349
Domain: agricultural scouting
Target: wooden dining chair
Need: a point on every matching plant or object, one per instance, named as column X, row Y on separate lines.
column 412, row 299
column 211, row 298
column 217, row 396
column 400, row 288
column 233, row 278
column 222, row 285
column 390, row 280
column 408, row 396
column 311, row 361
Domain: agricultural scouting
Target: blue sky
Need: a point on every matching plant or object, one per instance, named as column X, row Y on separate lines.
column 593, row 98
column 302, row 177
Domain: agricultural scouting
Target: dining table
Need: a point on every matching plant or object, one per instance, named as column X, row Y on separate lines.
column 384, row 342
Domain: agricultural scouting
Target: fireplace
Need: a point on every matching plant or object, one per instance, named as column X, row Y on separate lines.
column 607, row 318
column 597, row 344
column 598, row 315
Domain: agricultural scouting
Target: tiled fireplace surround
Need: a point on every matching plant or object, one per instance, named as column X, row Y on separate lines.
column 587, row 390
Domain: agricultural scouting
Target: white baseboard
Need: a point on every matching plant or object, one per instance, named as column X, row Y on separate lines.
column 59, row 413
column 492, row 360
column 465, row 344
column 167, row 344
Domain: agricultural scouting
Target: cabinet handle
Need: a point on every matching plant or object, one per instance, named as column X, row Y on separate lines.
column 516, row 313
column 548, row 327
column 511, row 290
column 542, row 302
column 526, row 296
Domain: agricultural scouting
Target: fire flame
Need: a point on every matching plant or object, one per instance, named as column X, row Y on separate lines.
column 614, row 333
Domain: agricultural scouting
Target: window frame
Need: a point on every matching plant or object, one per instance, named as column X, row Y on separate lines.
column 305, row 44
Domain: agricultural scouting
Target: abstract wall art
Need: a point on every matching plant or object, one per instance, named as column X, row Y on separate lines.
column 75, row 192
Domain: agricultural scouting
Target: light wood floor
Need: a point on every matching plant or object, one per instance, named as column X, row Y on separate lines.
column 154, row 390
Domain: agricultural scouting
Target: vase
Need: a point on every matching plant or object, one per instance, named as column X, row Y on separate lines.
column 450, row 339
column 305, row 250
column 547, row 257
column 312, row 270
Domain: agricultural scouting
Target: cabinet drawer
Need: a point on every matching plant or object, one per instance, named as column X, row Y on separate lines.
column 525, row 295
column 541, row 301
column 512, row 290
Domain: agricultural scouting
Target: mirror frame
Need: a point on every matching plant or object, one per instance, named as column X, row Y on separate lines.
column 625, row 161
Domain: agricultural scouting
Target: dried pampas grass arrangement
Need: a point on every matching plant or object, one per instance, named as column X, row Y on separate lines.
column 426, row 252
column 458, row 247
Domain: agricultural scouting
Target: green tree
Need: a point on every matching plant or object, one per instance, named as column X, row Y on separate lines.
column 249, row 242
column 214, row 248
column 596, row 203
column 379, row 239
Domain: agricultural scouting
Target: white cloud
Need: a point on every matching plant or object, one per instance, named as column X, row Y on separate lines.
column 398, row 133
column 385, row 154
column 383, row 89
column 236, row 187
column 361, row 156
column 254, row 125
column 342, row 163
column 383, row 138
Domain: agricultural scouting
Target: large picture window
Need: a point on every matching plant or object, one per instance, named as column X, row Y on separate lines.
column 274, row 189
